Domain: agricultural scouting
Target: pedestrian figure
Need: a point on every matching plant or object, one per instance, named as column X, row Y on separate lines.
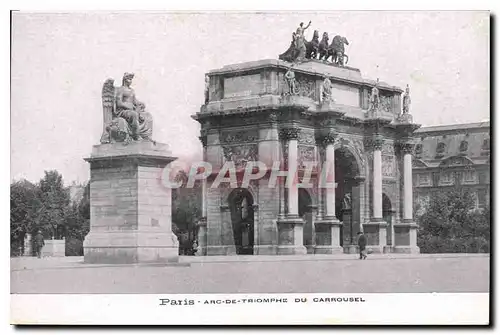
column 39, row 243
column 362, row 245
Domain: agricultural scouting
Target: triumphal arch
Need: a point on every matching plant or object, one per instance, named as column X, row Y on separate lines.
column 303, row 112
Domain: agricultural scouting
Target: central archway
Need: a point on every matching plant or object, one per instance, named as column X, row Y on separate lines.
column 347, row 195
column 305, row 212
column 387, row 214
column 241, row 202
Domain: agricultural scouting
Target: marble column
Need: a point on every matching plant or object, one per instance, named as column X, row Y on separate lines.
column 405, row 233
column 269, row 199
column 376, row 229
column 292, row 181
column 202, row 223
column 408, row 187
column 328, row 227
column 290, row 227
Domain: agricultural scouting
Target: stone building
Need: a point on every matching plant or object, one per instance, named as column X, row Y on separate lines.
column 450, row 156
column 314, row 112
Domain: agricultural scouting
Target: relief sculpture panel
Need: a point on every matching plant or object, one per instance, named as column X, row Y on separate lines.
column 306, row 87
column 388, row 166
column 240, row 154
column 305, row 154
column 306, row 136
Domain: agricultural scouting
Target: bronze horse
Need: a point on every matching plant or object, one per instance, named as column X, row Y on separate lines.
column 323, row 47
column 313, row 46
column 337, row 50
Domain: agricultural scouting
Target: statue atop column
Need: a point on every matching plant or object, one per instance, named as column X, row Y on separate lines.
column 125, row 117
column 207, row 87
column 406, row 117
column 374, row 98
column 291, row 82
column 406, row 100
column 326, row 91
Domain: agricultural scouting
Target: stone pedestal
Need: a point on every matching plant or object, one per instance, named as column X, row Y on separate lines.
column 28, row 246
column 290, row 236
column 376, row 235
column 130, row 205
column 202, row 237
column 405, row 238
column 328, row 236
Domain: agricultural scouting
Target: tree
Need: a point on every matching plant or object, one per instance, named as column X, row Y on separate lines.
column 77, row 224
column 451, row 224
column 55, row 200
column 24, row 205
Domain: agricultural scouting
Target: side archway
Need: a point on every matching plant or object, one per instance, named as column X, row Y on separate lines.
column 241, row 202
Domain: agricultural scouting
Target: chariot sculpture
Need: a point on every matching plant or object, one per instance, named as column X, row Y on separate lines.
column 300, row 49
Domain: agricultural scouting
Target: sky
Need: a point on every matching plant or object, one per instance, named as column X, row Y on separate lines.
column 61, row 60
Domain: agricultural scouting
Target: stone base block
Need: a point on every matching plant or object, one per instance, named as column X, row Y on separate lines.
column 265, row 250
column 220, row 250
column 310, row 248
column 54, row 248
column 328, row 250
column 351, row 249
column 387, row 249
column 375, row 249
column 129, row 247
column 406, row 250
column 292, row 250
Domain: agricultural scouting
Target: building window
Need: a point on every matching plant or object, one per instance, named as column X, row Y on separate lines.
column 464, row 145
column 475, row 200
column 446, row 178
column 483, row 177
column 424, row 179
column 469, row 176
column 486, row 144
column 418, row 150
column 485, row 148
column 440, row 149
column 482, row 198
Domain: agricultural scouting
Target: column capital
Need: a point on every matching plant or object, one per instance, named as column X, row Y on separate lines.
column 289, row 133
column 203, row 137
column 273, row 118
column 327, row 138
column 375, row 143
column 406, row 147
column 203, row 140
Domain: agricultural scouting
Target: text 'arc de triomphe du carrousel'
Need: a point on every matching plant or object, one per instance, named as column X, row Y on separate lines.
column 308, row 106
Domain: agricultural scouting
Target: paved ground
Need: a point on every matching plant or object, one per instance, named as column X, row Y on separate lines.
column 258, row 274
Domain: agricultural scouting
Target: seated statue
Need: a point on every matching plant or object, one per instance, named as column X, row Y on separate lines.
column 125, row 118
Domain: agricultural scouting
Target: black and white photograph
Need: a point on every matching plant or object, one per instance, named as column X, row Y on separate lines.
column 250, row 167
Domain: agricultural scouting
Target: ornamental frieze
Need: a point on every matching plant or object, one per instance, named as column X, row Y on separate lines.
column 358, row 146
column 305, row 154
column 385, row 104
column 306, row 136
column 388, row 149
column 240, row 154
column 388, row 166
column 238, row 136
column 291, row 133
column 306, row 87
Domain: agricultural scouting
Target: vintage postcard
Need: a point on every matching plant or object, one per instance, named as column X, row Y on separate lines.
column 250, row 168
